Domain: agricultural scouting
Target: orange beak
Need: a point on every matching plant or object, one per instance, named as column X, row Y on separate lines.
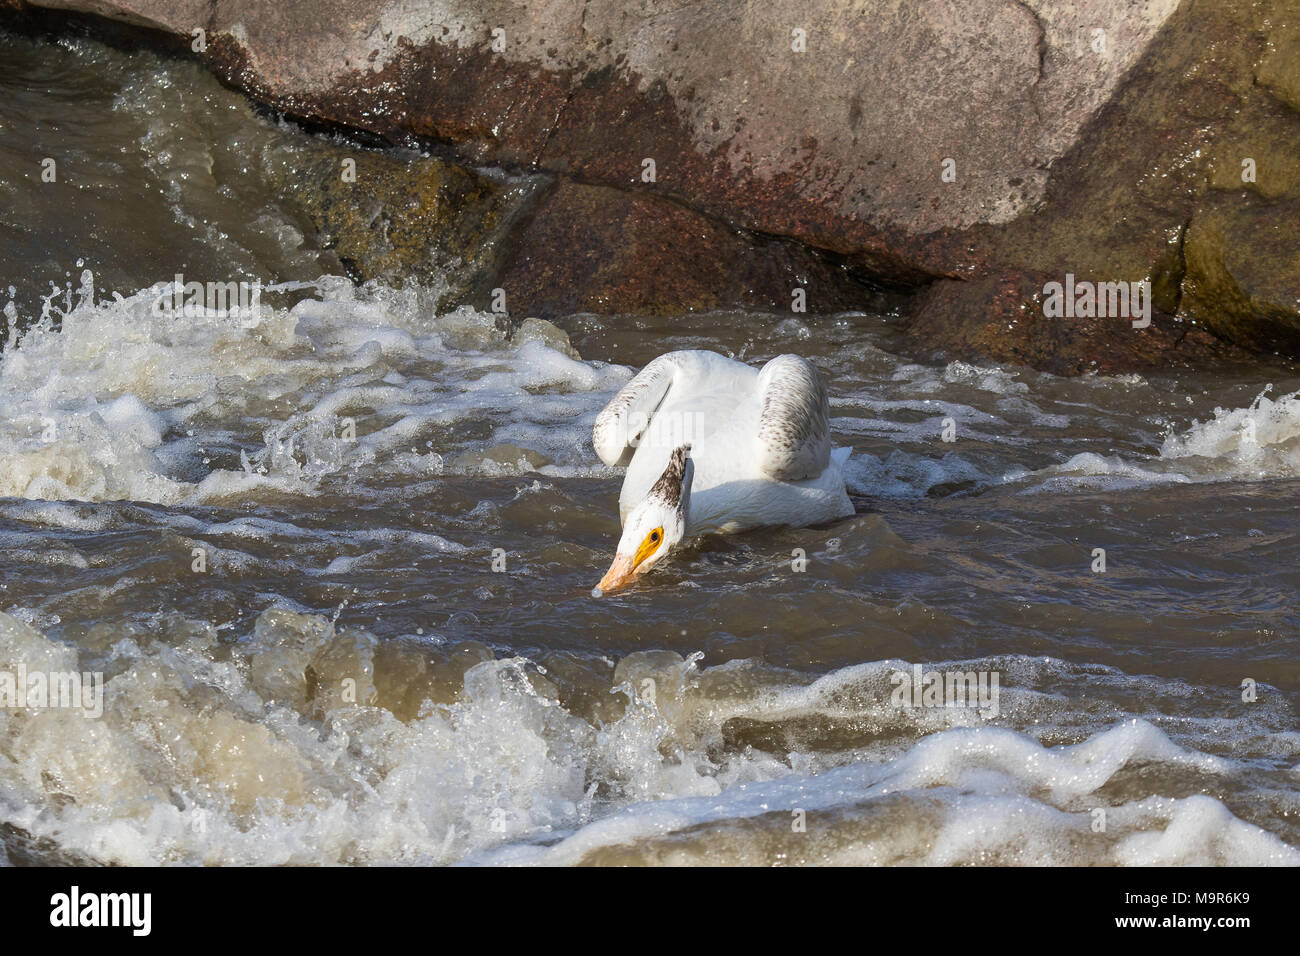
column 619, row 575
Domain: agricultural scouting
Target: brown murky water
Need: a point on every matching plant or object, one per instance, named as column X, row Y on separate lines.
column 383, row 648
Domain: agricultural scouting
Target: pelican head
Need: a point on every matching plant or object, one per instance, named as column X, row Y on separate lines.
column 654, row 527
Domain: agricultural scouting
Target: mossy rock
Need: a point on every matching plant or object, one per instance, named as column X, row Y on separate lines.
column 1263, row 158
column 1243, row 272
column 400, row 215
column 1279, row 68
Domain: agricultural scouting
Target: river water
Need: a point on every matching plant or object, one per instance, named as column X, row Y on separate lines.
column 336, row 566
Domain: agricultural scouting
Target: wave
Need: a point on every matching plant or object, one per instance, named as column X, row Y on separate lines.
column 1259, row 442
column 301, row 743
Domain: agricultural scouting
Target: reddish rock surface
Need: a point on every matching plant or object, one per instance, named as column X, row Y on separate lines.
column 1001, row 318
column 602, row 250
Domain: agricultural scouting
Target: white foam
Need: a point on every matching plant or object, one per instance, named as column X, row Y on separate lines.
column 1000, row 796
column 1257, row 443
column 241, row 757
column 117, row 402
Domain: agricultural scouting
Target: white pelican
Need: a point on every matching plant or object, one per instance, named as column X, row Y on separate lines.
column 713, row 445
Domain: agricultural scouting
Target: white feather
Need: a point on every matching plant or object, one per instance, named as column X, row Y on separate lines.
column 759, row 440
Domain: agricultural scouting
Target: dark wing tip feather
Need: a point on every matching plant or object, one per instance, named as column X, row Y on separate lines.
column 668, row 488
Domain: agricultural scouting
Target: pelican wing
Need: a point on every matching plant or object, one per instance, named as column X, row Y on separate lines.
column 628, row 413
column 794, row 419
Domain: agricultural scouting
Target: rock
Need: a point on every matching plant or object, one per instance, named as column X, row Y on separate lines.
column 1243, row 272
column 1279, row 68
column 1190, row 131
column 1078, row 137
column 555, row 248
column 820, row 121
column 396, row 217
column 602, row 250
column 1001, row 318
column 1180, row 124
column 533, row 329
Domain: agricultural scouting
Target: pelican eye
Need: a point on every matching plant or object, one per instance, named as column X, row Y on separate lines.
column 649, row 546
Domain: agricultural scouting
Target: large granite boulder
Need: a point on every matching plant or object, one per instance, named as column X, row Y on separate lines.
column 833, row 123
column 964, row 143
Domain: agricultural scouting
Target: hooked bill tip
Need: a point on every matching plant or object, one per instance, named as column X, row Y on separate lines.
column 596, row 592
